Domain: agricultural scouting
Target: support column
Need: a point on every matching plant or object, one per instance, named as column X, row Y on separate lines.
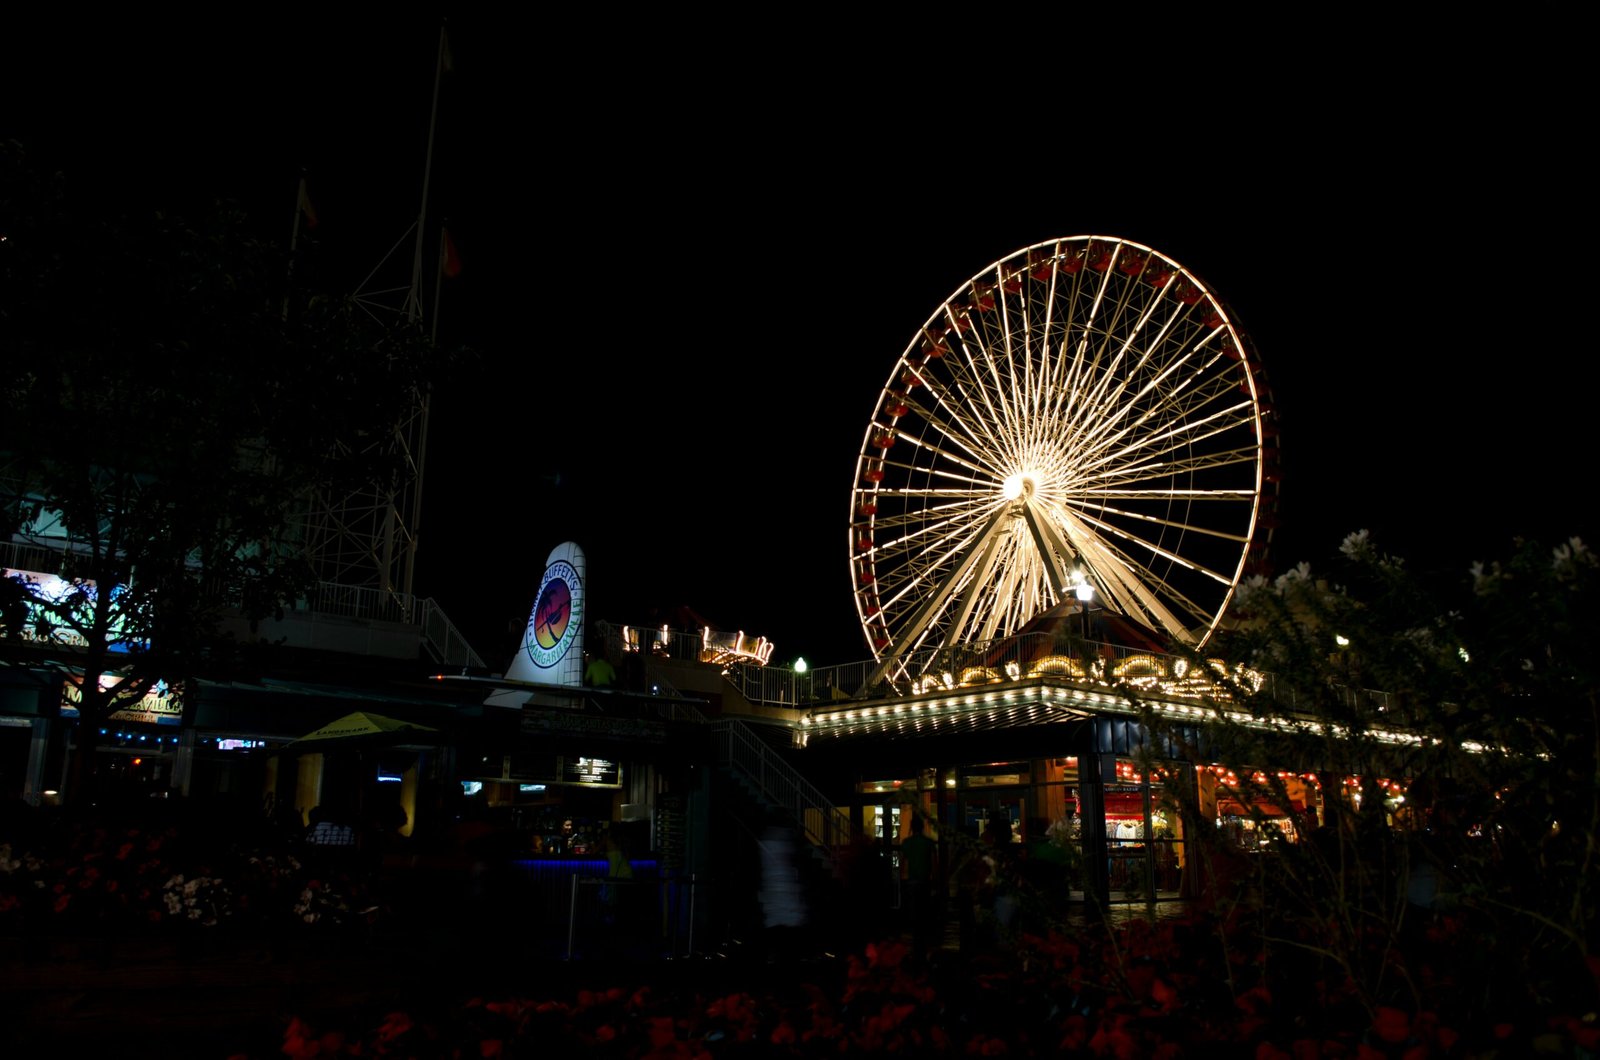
column 183, row 762
column 308, row 785
column 33, row 784
column 1092, row 801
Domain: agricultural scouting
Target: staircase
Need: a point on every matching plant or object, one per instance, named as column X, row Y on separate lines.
column 778, row 785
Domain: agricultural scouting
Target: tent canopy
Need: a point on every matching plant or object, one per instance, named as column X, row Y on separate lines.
column 363, row 724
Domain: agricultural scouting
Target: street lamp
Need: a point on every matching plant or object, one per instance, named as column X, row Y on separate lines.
column 1085, row 593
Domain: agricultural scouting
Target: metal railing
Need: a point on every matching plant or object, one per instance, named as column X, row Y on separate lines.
column 648, row 917
column 741, row 750
column 1028, row 657
column 444, row 640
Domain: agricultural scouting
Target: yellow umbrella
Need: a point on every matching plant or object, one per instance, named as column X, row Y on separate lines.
column 363, row 724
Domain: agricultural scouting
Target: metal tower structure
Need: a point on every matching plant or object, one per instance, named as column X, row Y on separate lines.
column 369, row 538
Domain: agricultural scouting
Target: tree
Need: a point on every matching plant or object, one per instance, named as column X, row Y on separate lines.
column 172, row 404
column 1458, row 871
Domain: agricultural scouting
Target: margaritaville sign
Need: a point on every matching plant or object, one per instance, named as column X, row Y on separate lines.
column 162, row 705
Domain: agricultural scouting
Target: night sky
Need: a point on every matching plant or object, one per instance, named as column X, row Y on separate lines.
column 687, row 276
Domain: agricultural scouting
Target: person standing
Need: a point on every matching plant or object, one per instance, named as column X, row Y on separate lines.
column 783, row 903
column 919, row 857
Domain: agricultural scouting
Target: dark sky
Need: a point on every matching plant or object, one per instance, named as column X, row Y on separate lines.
column 687, row 276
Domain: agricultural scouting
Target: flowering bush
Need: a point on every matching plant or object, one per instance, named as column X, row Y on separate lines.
column 91, row 878
column 1142, row 990
column 202, row 899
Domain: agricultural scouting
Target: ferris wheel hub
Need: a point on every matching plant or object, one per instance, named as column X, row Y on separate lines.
column 1022, row 484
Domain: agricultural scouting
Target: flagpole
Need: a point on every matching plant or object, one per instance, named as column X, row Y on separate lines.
column 294, row 239
column 414, row 299
column 438, row 287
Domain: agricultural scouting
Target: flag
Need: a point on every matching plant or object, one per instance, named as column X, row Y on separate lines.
column 307, row 211
column 449, row 260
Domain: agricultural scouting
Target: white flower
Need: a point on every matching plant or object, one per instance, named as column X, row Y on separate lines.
column 1569, row 557
column 1300, row 575
column 1356, row 545
column 1250, row 588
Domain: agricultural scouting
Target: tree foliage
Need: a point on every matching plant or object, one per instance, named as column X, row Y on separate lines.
column 173, row 400
column 1477, row 887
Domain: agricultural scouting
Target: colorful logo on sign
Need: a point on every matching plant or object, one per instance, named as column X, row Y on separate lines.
column 555, row 624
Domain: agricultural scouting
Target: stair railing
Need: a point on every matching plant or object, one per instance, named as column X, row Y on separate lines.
column 741, row 750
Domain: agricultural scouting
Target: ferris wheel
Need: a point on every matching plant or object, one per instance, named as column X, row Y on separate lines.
column 1083, row 417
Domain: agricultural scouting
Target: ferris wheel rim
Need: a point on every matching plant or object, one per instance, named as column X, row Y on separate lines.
column 1089, row 449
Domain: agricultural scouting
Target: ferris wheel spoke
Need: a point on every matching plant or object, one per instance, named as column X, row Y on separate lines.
column 943, row 593
column 1133, row 586
column 1172, row 404
column 1161, row 468
column 930, row 493
column 1187, row 526
column 1126, row 535
column 945, row 536
column 1001, row 417
column 1137, row 579
column 1111, row 493
column 921, row 515
column 1143, row 465
column 955, row 423
column 1136, row 445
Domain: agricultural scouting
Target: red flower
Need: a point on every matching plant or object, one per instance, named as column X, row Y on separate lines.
column 61, row 903
column 1391, row 1025
column 1141, row 978
column 604, row 1033
column 783, row 1034
column 662, row 1033
column 510, row 1009
column 299, row 1040
column 394, row 1025
column 490, row 1047
column 1255, row 1000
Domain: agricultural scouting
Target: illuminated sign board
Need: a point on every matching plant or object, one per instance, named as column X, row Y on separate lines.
column 162, row 705
column 552, row 642
column 532, row 771
column 591, row 772
column 46, row 625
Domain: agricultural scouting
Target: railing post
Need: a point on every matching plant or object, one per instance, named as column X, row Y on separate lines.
column 572, row 917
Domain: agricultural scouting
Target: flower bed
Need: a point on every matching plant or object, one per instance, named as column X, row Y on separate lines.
column 89, row 879
column 1141, row 990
